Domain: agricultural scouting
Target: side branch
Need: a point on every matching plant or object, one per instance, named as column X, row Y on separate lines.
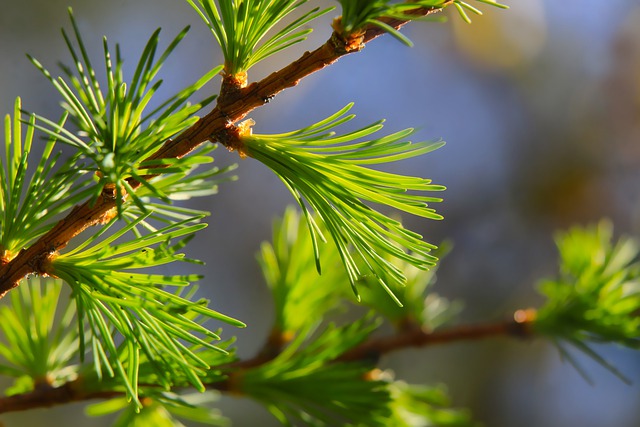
column 257, row 94
column 35, row 258
column 520, row 327
column 215, row 126
column 52, row 396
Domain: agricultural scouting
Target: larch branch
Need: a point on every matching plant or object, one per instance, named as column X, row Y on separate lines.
column 45, row 397
column 212, row 127
column 520, row 327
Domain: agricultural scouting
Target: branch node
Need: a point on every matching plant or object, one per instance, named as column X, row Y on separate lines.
column 522, row 325
column 109, row 191
column 231, row 137
column 231, row 87
column 276, row 342
column 5, row 256
column 345, row 42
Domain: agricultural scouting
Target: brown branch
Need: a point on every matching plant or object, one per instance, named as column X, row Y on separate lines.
column 35, row 258
column 45, row 397
column 520, row 327
column 215, row 126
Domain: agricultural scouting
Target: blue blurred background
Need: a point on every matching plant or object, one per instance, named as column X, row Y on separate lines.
column 540, row 108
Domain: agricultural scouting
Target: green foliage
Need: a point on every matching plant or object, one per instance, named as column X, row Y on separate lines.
column 162, row 410
column 424, row 406
column 419, row 307
column 357, row 14
column 116, row 130
column 304, row 383
column 301, row 296
column 596, row 297
column 186, row 179
column 308, row 384
column 31, row 200
column 138, row 320
column 151, row 320
column 39, row 346
column 160, row 334
column 240, row 26
column 330, row 172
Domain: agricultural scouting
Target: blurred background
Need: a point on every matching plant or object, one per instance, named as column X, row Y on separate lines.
column 540, row 108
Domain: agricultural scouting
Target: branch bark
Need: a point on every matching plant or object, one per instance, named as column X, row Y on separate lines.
column 218, row 125
column 519, row 327
column 45, row 397
column 372, row 350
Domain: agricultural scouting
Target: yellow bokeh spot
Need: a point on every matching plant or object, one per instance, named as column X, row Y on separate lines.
column 503, row 39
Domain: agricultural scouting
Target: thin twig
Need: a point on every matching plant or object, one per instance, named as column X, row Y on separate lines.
column 520, row 327
column 45, row 397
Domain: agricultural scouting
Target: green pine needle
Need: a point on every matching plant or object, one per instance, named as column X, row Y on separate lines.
column 189, row 176
column 162, row 410
column 193, row 177
column 38, row 343
column 31, row 199
column 301, row 296
column 596, row 298
column 357, row 14
column 305, row 384
column 330, row 172
column 420, row 405
column 114, row 294
column 421, row 308
column 116, row 129
column 240, row 27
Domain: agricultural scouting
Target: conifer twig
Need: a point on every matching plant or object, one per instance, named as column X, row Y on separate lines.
column 218, row 125
column 48, row 396
column 520, row 326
